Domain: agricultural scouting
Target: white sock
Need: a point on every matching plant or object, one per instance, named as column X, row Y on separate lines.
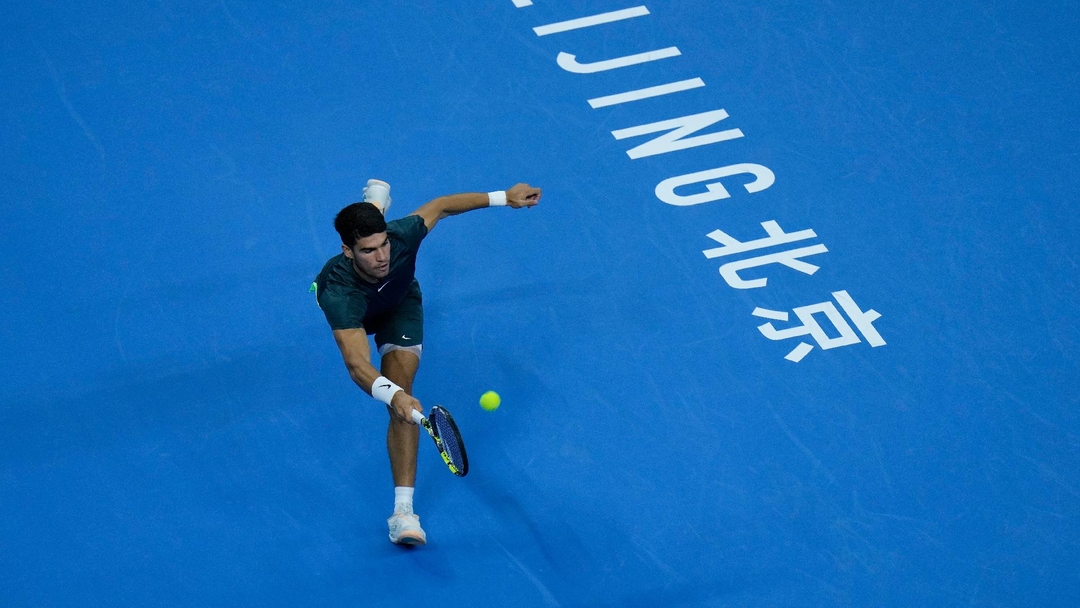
column 403, row 496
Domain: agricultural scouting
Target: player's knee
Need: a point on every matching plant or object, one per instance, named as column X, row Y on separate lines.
column 396, row 420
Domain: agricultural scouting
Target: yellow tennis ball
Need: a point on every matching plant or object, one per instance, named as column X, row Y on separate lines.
column 490, row 401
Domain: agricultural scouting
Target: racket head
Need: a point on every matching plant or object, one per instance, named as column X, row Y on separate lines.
column 448, row 438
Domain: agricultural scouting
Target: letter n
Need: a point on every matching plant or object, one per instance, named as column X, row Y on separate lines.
column 678, row 129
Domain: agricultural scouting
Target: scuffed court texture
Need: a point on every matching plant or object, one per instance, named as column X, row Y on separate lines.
column 177, row 427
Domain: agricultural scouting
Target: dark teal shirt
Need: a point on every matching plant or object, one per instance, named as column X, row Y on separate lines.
column 349, row 301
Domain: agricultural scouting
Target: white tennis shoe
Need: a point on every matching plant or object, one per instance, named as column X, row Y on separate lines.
column 405, row 529
column 377, row 192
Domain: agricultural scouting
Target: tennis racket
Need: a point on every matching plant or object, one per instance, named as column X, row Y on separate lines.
column 440, row 425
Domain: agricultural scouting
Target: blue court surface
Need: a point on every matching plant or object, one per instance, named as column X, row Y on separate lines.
column 795, row 323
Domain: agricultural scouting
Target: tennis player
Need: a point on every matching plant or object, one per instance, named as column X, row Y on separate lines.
column 371, row 289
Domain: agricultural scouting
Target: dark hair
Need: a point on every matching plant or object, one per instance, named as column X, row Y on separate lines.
column 357, row 221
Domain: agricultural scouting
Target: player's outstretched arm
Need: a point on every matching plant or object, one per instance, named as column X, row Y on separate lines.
column 520, row 195
column 356, row 352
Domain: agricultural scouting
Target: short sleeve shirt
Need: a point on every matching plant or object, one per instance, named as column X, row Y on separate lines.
column 350, row 302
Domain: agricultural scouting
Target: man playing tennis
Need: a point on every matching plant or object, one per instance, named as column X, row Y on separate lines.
column 370, row 288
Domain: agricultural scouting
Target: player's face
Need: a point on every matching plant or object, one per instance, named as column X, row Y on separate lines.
column 371, row 256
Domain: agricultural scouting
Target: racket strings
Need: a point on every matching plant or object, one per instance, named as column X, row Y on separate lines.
column 450, row 438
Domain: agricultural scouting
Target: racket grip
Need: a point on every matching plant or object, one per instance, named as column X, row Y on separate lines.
column 417, row 417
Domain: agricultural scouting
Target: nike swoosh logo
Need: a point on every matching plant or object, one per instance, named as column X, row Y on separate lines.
column 404, row 337
column 384, row 386
column 383, row 285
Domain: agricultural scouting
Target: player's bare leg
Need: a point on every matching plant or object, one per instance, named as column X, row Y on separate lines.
column 402, row 441
column 402, row 438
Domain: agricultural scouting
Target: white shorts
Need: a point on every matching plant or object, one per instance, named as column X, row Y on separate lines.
column 415, row 349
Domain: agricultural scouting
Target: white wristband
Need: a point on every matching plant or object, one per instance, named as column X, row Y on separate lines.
column 497, row 198
column 384, row 390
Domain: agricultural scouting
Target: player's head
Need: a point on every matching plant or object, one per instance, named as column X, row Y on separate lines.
column 357, row 221
column 363, row 239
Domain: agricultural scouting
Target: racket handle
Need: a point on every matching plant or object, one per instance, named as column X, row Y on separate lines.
column 417, row 417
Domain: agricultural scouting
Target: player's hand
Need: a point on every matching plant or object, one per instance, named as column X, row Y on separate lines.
column 402, row 406
column 522, row 195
